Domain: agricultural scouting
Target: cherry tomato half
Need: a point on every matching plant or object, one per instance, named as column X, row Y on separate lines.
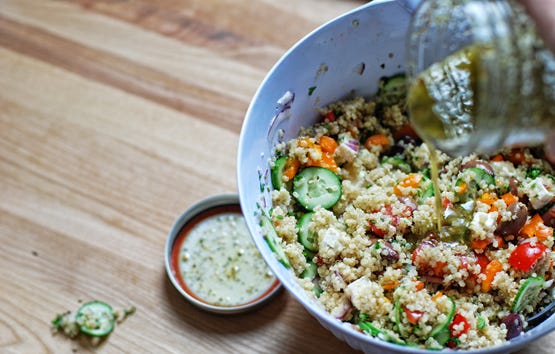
column 526, row 254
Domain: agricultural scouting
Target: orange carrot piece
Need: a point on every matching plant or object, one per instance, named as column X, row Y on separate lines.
column 509, row 198
column 305, row 143
column 437, row 295
column 327, row 161
column 328, row 144
column 479, row 245
column 291, row 168
column 323, row 159
column 492, row 269
column 462, row 187
column 536, row 227
column 390, row 285
column 488, row 198
column 412, row 180
column 377, row 140
column 419, row 285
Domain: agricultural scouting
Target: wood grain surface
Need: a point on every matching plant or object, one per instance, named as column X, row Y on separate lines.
column 115, row 116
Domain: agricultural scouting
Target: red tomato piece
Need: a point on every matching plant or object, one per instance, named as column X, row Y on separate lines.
column 413, row 316
column 482, row 260
column 459, row 326
column 526, row 254
column 416, row 253
column 395, row 220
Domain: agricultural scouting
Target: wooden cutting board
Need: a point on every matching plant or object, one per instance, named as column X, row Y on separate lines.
column 115, row 116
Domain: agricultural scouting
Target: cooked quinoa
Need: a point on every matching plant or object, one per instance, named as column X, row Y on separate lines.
column 374, row 258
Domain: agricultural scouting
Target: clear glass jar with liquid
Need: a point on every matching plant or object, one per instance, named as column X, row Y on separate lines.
column 480, row 76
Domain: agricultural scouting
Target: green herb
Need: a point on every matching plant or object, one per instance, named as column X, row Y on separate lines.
column 533, row 172
column 311, row 90
column 481, row 323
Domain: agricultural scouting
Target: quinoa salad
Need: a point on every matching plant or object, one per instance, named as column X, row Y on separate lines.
column 353, row 216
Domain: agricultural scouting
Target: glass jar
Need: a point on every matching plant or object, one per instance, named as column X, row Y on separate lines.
column 480, row 77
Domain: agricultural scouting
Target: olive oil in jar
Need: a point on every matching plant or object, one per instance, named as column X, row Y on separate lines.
column 481, row 78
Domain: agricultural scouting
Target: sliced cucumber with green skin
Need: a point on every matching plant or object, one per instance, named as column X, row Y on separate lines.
column 276, row 172
column 316, row 186
column 307, row 237
column 369, row 328
column 95, row 318
column 397, row 163
column 311, row 271
column 383, row 334
column 309, row 255
column 273, row 240
column 427, row 192
column 392, row 89
column 441, row 332
column 527, row 293
column 473, row 182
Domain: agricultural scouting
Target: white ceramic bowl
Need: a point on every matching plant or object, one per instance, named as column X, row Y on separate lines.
column 345, row 57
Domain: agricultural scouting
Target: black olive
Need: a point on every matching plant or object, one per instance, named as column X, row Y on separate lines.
column 519, row 214
column 514, row 324
column 388, row 253
column 549, row 216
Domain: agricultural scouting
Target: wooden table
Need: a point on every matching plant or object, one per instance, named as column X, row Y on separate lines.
column 115, row 116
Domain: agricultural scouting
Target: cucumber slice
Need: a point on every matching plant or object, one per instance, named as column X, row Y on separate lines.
column 397, row 163
column 317, row 186
column 311, row 271
column 95, row 318
column 309, row 255
column 481, row 175
column 441, row 332
column 392, row 89
column 527, row 293
column 276, row 172
column 273, row 240
column 383, row 334
column 427, row 192
column 473, row 182
column 307, row 237
column 369, row 328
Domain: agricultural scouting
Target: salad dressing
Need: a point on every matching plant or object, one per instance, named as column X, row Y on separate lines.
column 442, row 102
column 215, row 259
column 434, row 176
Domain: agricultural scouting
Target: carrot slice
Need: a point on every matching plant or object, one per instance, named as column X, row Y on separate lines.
column 377, row 140
column 491, row 271
column 479, row 245
column 328, row 144
column 509, row 198
column 412, row 180
column 291, row 168
column 536, row 227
